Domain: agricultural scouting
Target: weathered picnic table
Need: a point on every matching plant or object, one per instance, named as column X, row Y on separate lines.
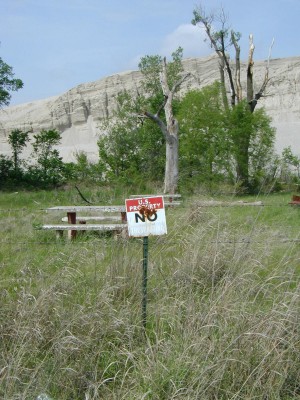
column 77, row 222
column 72, row 227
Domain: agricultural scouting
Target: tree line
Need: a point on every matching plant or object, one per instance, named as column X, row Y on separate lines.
column 133, row 151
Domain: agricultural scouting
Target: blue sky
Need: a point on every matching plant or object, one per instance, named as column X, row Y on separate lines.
column 54, row 45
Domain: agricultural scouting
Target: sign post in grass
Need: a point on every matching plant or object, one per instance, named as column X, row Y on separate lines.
column 145, row 273
column 145, row 217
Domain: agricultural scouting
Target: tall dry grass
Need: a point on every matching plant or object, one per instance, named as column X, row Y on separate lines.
column 223, row 309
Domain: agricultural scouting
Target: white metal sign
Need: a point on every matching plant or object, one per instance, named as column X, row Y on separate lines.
column 146, row 216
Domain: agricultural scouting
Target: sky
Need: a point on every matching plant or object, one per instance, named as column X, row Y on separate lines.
column 55, row 45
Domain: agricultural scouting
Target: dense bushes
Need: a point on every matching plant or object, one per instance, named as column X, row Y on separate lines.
column 45, row 167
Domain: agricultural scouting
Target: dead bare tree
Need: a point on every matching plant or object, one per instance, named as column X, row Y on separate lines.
column 221, row 40
column 169, row 128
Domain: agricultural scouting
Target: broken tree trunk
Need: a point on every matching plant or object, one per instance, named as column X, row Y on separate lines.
column 170, row 130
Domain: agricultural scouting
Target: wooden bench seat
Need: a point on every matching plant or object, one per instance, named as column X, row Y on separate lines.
column 82, row 219
column 83, row 227
column 172, row 203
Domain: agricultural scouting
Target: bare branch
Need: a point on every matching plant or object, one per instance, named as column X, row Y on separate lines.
column 221, row 51
column 168, row 93
column 250, row 90
column 237, row 66
column 229, row 72
column 158, row 121
column 254, row 99
column 179, row 82
column 270, row 52
column 162, row 106
column 163, row 79
column 82, row 196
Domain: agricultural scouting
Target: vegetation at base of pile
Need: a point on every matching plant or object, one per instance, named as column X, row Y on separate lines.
column 223, row 303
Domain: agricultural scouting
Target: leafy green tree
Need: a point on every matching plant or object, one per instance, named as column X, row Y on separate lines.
column 151, row 67
column 212, row 138
column 132, row 148
column 82, row 170
column 289, row 166
column 204, row 145
column 134, row 145
column 291, row 160
column 6, row 169
column 118, row 149
column 17, row 140
column 119, row 153
column 7, row 83
column 252, row 140
column 50, row 167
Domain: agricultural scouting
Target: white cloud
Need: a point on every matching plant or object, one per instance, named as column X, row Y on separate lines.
column 190, row 38
column 133, row 64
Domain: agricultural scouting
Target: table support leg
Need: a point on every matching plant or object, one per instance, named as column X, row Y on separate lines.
column 124, row 217
column 72, row 220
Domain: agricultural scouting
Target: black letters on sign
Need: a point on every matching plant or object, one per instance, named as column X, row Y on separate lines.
column 138, row 216
column 151, row 218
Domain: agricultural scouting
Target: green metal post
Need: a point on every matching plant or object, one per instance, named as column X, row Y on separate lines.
column 145, row 269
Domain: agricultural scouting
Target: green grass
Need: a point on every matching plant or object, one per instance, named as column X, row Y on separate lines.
column 223, row 304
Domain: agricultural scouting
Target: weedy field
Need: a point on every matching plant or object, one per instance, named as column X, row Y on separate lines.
column 223, row 304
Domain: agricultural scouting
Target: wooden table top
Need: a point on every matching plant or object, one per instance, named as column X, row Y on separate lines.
column 88, row 208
